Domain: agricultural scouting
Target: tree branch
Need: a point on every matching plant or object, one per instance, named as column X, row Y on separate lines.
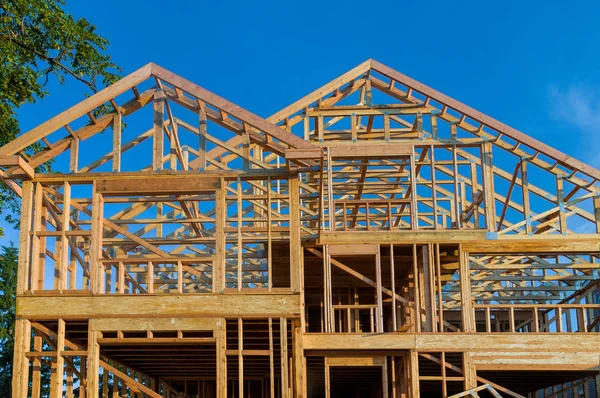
column 52, row 62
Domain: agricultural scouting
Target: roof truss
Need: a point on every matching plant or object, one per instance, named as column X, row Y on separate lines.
column 345, row 110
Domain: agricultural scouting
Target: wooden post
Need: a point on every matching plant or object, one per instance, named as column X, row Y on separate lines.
column 295, row 243
column 64, row 243
column 416, row 289
column 74, row 155
column 220, row 217
column 327, row 294
column 240, row 357
column 240, row 259
column 465, row 292
column 20, row 380
column 93, row 361
column 56, row 387
column 330, row 205
column 37, row 367
column 469, row 372
column 221, row 335
column 488, row 185
column 427, row 288
column 327, row 380
column 414, row 374
column 116, row 155
column 393, row 286
column 284, row 358
column 414, row 200
column 25, row 238
column 526, row 203
column 433, row 186
column 159, row 135
column 96, row 241
column 379, row 290
column 271, row 361
column 299, row 360
column 560, row 194
column 438, row 271
column 385, row 386
column 457, row 204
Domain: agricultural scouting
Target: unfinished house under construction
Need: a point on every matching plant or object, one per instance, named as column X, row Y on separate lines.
column 376, row 238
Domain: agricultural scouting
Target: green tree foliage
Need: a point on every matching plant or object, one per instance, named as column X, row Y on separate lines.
column 8, row 284
column 39, row 41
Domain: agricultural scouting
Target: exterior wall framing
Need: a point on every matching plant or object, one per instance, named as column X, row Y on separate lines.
column 414, row 247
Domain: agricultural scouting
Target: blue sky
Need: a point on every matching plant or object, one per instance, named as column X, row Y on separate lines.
column 533, row 65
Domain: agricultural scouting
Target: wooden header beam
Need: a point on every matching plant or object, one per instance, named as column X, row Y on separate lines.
column 381, row 150
column 471, row 241
column 157, row 186
column 157, row 306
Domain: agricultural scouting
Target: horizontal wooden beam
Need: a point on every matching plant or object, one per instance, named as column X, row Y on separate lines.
column 17, row 161
column 158, row 306
column 303, row 154
column 588, row 343
column 163, row 324
column 85, row 178
column 380, row 151
column 527, row 360
column 399, row 237
column 353, row 250
column 539, row 244
column 404, row 109
column 471, row 241
column 158, row 186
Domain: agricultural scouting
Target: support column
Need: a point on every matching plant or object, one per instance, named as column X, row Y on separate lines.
column 219, row 262
column 37, row 367
column 427, row 288
column 380, row 327
column 415, row 391
column 469, row 372
column 416, row 296
column 327, row 295
column 295, row 244
column 25, row 238
column 202, row 129
column 96, row 241
column 488, row 186
column 385, row 387
column 468, row 320
column 93, row 361
column 299, row 360
column 57, row 378
column 158, row 139
column 221, row 335
column 20, row 378
column 284, row 358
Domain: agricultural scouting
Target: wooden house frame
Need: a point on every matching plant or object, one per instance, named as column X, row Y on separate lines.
column 376, row 238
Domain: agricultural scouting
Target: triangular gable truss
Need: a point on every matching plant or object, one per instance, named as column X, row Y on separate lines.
column 572, row 193
column 178, row 90
column 262, row 143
